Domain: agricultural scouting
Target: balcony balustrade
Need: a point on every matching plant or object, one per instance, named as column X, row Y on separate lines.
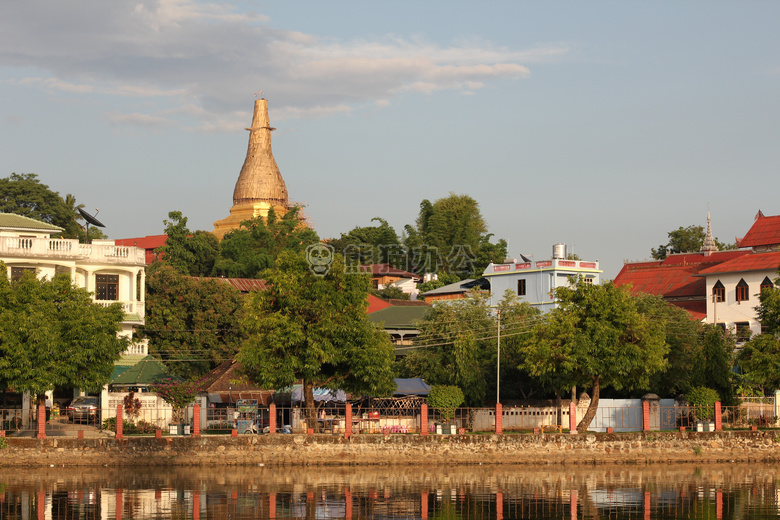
column 70, row 249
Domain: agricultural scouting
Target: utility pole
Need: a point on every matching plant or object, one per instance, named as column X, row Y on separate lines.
column 498, row 359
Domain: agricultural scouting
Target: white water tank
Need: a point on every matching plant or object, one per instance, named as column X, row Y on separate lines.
column 559, row 251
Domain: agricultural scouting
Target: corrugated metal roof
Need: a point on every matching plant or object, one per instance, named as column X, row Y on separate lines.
column 765, row 231
column 242, row 284
column 13, row 221
column 145, row 372
column 399, row 317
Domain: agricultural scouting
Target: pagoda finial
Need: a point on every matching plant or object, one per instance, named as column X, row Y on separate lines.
column 708, row 246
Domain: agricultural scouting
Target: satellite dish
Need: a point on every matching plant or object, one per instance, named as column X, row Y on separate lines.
column 89, row 218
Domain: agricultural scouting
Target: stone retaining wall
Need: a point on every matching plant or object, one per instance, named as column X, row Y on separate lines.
column 301, row 450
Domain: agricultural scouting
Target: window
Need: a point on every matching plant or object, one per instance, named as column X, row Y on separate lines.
column 742, row 291
column 767, row 284
column 521, row 287
column 106, row 287
column 718, row 292
column 743, row 331
column 17, row 272
column 587, row 280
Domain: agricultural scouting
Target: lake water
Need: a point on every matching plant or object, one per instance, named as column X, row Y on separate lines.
column 385, row 492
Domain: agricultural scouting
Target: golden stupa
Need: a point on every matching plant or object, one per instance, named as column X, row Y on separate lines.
column 260, row 186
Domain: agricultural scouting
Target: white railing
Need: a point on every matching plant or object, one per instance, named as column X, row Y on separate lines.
column 70, row 249
column 129, row 307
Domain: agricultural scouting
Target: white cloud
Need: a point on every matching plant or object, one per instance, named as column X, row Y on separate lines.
column 210, row 56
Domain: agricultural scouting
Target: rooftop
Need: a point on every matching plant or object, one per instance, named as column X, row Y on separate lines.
column 765, row 231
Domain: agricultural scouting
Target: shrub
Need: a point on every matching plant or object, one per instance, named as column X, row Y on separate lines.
column 703, row 399
column 3, row 443
column 445, row 399
column 130, row 428
column 178, row 394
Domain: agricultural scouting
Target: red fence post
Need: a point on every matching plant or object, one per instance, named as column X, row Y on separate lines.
column 196, row 420
column 645, row 416
column 572, row 418
column 424, row 419
column 2, row 433
column 348, row 421
column 718, row 417
column 499, row 419
column 271, row 419
column 41, row 421
column 119, row 422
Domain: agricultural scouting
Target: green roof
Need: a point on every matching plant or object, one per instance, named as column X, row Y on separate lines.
column 399, row 317
column 145, row 372
column 13, row 221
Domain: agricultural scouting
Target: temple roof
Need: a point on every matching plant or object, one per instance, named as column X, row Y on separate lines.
column 765, row 231
column 260, row 179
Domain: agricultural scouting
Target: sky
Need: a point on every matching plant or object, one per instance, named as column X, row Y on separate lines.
column 602, row 125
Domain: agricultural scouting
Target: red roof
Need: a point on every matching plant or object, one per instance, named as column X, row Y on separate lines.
column 376, row 304
column 750, row 262
column 697, row 309
column 675, row 276
column 765, row 231
column 387, row 269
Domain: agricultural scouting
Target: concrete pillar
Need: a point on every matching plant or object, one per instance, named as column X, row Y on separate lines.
column 573, row 500
column 196, row 420
column 718, row 417
column 347, row 504
column 719, row 504
column 119, row 504
column 41, row 504
column 272, row 419
column 499, row 419
column 119, row 422
column 424, row 419
column 648, row 510
column 645, row 416
column 424, row 504
column 572, row 418
column 41, row 421
column 499, row 506
column 195, row 505
column 272, row 506
column 348, row 421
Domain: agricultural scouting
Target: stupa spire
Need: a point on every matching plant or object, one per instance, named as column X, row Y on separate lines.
column 260, row 179
column 708, row 246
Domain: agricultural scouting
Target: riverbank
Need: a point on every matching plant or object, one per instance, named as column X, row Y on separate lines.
column 328, row 450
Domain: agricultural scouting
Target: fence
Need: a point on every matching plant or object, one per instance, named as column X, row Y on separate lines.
column 615, row 416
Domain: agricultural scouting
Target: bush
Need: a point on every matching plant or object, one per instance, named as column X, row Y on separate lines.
column 445, row 399
column 703, row 399
column 130, row 428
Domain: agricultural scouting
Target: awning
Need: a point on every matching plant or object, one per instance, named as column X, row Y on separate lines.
column 321, row 395
column 413, row 386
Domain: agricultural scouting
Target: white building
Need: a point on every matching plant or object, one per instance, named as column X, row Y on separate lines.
column 111, row 273
column 733, row 287
column 535, row 281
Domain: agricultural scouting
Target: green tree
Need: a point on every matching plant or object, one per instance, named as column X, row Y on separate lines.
column 768, row 310
column 453, row 233
column 372, row 245
column 192, row 325
column 189, row 253
column 685, row 240
column 715, row 369
column 457, row 346
column 759, row 359
column 315, row 329
column 254, row 247
column 53, row 334
column 23, row 194
column 597, row 335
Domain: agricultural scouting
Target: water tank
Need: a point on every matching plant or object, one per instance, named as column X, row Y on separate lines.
column 559, row 251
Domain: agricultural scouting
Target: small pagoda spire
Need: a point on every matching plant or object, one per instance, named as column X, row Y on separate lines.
column 708, row 246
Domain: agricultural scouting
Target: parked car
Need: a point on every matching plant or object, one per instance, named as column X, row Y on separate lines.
column 83, row 409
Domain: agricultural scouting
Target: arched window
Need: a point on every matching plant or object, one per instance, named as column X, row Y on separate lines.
column 718, row 292
column 767, row 284
column 743, row 291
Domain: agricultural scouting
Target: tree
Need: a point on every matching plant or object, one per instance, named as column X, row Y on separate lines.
column 768, row 310
column 94, row 231
column 457, row 345
column 597, row 335
column 452, row 235
column 25, row 195
column 315, row 329
column 254, row 247
column 53, row 334
column 192, row 325
column 189, row 253
column 685, row 240
column 372, row 245
column 759, row 359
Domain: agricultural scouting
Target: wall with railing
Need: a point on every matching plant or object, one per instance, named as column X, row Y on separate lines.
column 155, row 415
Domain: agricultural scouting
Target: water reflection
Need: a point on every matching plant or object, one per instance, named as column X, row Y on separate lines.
column 429, row 492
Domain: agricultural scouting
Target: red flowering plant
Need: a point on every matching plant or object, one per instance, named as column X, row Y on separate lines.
column 179, row 394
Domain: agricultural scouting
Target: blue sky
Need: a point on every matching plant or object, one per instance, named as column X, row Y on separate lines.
column 602, row 125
